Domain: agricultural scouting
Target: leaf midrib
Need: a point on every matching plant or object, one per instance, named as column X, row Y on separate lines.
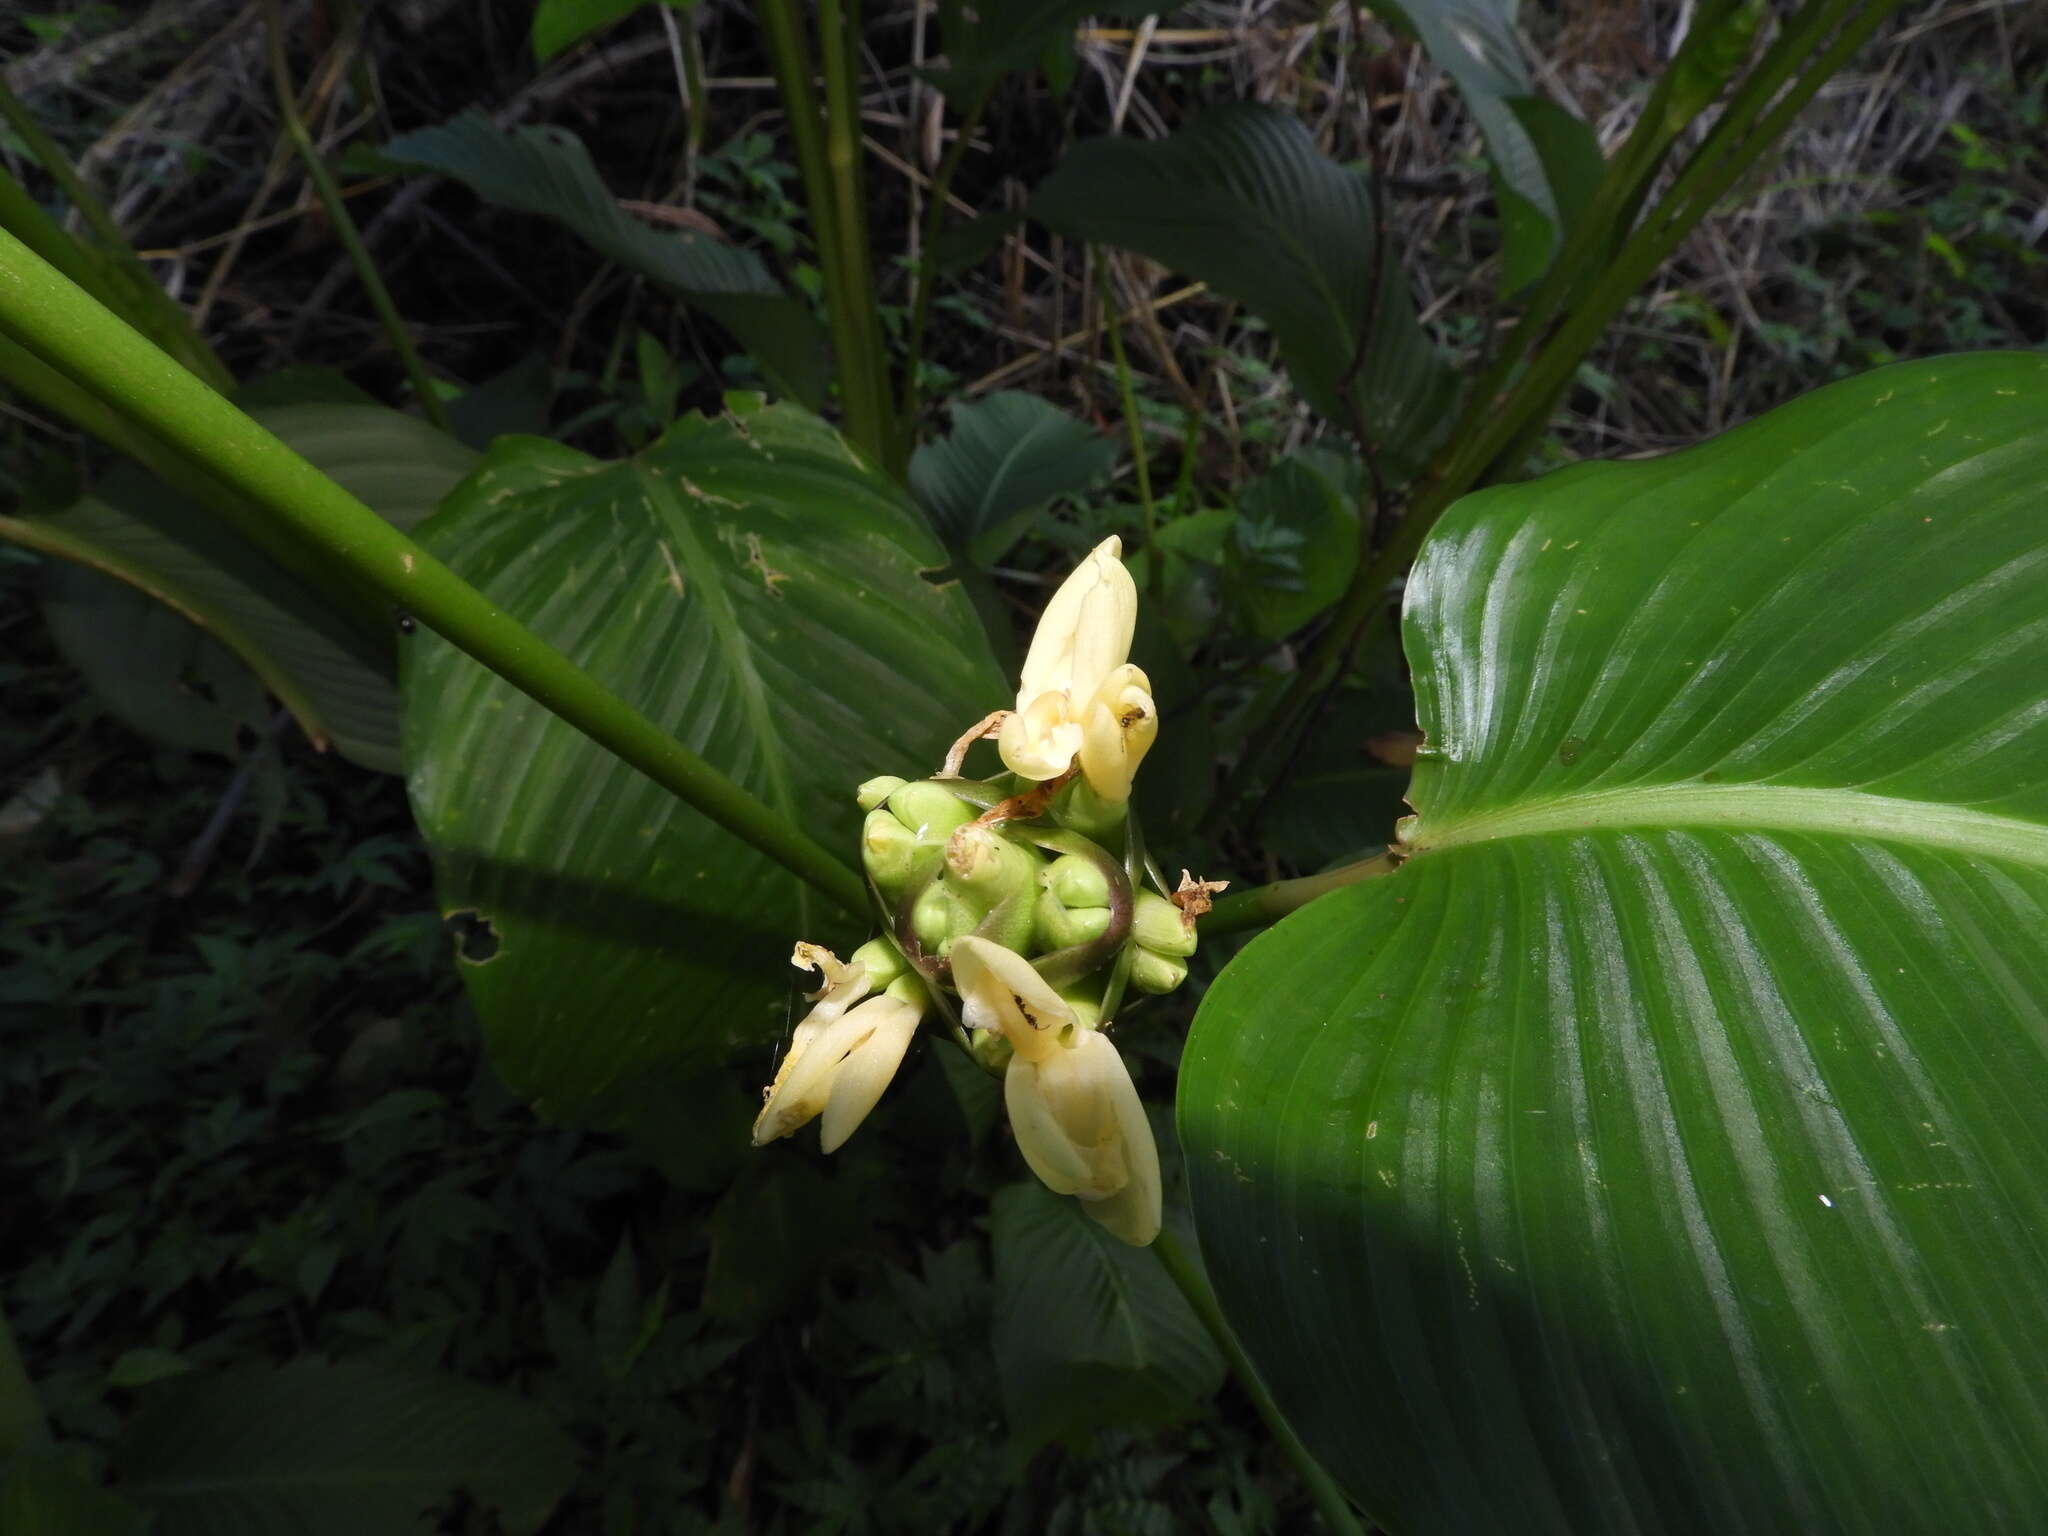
column 1749, row 808
column 710, row 591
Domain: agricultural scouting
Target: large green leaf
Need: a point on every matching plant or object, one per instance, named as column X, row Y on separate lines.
column 750, row 584
column 1242, row 199
column 335, row 678
column 1663, row 1147
column 337, row 1450
column 1090, row 1332
column 548, row 171
column 1544, row 160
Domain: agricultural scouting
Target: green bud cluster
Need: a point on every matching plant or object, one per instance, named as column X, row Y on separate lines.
column 903, row 840
column 1049, row 892
column 1162, row 939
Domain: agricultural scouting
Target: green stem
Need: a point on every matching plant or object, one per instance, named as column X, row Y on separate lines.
column 22, row 1425
column 842, row 250
column 838, row 29
column 790, row 57
column 697, row 110
column 1729, row 150
column 1706, row 179
column 45, row 236
column 1494, row 424
column 338, row 216
column 58, row 165
column 67, row 329
column 124, row 283
column 60, row 394
column 1264, row 904
column 1127, row 393
column 1330, row 1500
column 926, row 279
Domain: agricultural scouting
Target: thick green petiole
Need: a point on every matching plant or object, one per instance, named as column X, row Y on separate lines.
column 74, row 334
column 1263, row 904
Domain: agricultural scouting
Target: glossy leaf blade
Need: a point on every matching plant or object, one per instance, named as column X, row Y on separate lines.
column 750, row 584
column 1660, row 1148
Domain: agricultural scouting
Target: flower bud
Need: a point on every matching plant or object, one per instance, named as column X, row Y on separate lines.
column 1010, row 922
column 985, row 867
column 883, row 961
column 876, row 790
column 1154, row 972
column 1077, row 880
column 1080, row 807
column 1061, row 926
column 1161, row 927
column 930, row 809
column 893, row 855
column 939, row 918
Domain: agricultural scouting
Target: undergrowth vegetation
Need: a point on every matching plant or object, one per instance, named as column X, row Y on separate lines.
column 248, row 1122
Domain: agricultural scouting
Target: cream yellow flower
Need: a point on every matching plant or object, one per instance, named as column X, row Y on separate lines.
column 1073, row 1107
column 845, row 1051
column 1079, row 697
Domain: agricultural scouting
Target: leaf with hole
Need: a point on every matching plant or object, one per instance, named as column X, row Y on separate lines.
column 748, row 583
column 547, row 171
column 1661, row 1147
column 1242, row 199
